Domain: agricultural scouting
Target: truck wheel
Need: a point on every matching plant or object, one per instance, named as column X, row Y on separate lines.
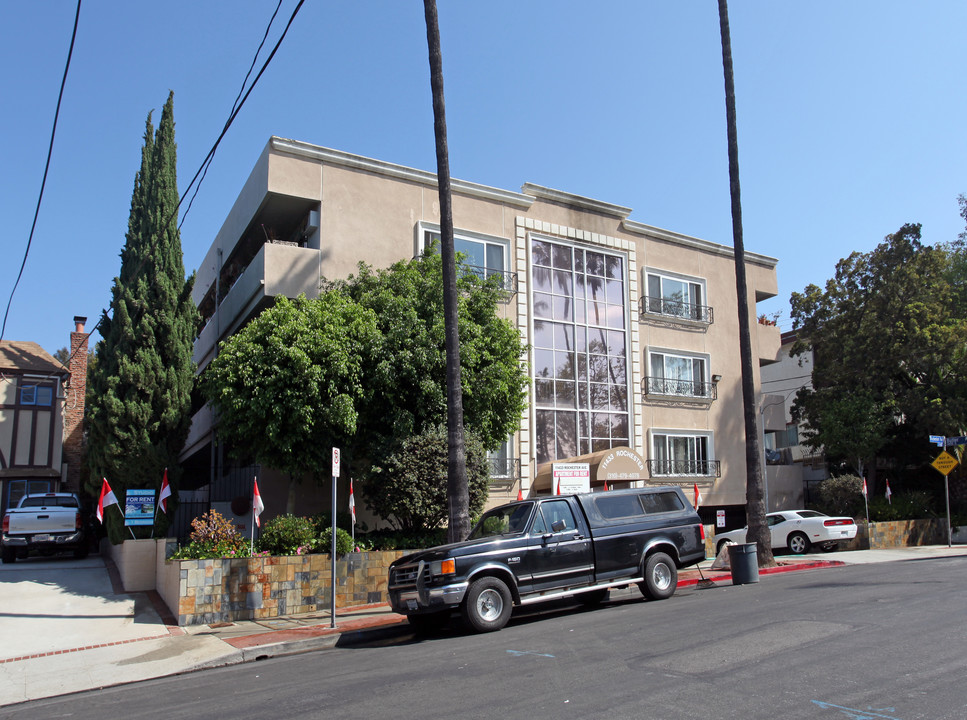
column 661, row 577
column 9, row 555
column 431, row 622
column 487, row 605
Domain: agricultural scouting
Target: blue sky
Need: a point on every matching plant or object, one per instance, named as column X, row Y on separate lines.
column 851, row 118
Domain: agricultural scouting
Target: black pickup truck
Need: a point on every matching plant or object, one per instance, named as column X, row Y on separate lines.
column 550, row 547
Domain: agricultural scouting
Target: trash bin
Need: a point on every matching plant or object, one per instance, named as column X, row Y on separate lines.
column 744, row 561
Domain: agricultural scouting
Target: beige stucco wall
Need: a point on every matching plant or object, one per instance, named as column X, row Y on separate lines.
column 370, row 210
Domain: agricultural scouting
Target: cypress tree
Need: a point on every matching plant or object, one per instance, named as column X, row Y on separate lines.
column 139, row 394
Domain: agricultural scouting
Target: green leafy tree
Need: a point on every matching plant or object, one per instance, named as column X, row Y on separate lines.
column 849, row 424
column 138, row 404
column 287, row 387
column 409, row 489
column 406, row 388
column 887, row 323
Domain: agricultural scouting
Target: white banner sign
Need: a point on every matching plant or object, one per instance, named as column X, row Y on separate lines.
column 571, row 478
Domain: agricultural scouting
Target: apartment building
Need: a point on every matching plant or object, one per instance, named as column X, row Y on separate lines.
column 632, row 329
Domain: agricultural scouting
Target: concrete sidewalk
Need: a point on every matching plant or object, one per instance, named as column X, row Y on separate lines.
column 67, row 625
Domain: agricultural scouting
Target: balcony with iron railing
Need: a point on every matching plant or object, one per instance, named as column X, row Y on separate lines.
column 506, row 279
column 504, row 472
column 684, row 468
column 698, row 390
column 664, row 308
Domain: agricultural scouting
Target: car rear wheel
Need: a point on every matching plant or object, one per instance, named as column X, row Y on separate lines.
column 798, row 543
column 487, row 605
column 661, row 577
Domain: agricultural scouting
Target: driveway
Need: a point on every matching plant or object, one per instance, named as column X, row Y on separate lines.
column 59, row 603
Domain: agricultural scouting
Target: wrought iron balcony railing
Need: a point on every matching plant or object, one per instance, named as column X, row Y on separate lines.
column 663, row 307
column 681, row 468
column 503, row 471
column 506, row 279
column 701, row 389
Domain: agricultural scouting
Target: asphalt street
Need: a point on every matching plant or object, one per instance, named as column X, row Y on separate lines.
column 883, row 640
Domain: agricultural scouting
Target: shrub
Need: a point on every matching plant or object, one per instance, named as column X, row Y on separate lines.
column 213, row 536
column 288, row 535
column 842, row 495
column 908, row 506
column 409, row 489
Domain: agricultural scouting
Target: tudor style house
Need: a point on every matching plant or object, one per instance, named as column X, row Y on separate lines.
column 632, row 330
column 41, row 418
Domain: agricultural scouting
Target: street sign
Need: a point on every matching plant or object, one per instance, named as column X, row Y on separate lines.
column 335, row 462
column 944, row 463
column 938, row 440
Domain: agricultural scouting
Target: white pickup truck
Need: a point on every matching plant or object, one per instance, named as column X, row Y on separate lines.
column 47, row 524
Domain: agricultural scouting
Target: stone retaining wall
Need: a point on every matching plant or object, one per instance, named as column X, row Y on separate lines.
column 256, row 588
column 898, row 533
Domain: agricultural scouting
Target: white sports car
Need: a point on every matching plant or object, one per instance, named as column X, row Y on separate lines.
column 798, row 530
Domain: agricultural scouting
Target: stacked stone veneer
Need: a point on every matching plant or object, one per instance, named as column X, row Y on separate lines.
column 898, row 533
column 229, row 589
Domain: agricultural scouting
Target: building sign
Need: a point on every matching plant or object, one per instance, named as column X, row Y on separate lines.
column 621, row 464
column 139, row 507
column 571, row 478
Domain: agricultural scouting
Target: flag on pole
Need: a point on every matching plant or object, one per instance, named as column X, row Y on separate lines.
column 520, row 495
column 864, row 487
column 257, row 506
column 352, row 501
column 606, row 486
column 165, row 493
column 107, row 498
column 888, row 493
column 698, row 496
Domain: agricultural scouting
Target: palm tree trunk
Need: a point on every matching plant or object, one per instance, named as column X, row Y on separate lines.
column 755, row 504
column 458, row 493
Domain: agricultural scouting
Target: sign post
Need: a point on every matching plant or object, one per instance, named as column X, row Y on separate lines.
column 944, row 463
column 332, row 589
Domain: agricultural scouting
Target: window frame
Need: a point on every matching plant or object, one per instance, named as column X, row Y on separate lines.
column 663, row 385
column 658, row 459
column 655, row 306
column 548, row 408
column 424, row 229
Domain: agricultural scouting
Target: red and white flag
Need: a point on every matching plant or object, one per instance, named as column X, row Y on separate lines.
column 520, row 495
column 698, row 496
column 165, row 493
column 606, row 486
column 352, row 501
column 864, row 487
column 888, row 493
column 107, row 499
column 257, row 506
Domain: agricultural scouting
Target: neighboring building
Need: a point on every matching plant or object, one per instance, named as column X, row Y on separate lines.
column 633, row 329
column 41, row 418
column 792, row 470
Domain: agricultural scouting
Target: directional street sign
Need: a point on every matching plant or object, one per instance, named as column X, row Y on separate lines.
column 944, row 463
column 938, row 440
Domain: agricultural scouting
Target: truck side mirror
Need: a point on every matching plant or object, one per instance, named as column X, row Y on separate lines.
column 558, row 526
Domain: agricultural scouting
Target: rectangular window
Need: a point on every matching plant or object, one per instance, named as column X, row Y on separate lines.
column 579, row 343
column 681, row 454
column 480, row 254
column 39, row 395
column 673, row 374
column 676, row 297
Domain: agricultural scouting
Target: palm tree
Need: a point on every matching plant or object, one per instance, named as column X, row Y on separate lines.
column 458, row 492
column 755, row 504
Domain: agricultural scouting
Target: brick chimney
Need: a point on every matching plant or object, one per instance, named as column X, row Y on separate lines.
column 75, row 392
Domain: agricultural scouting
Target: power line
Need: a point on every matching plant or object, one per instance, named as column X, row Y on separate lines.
column 43, row 184
column 208, row 160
